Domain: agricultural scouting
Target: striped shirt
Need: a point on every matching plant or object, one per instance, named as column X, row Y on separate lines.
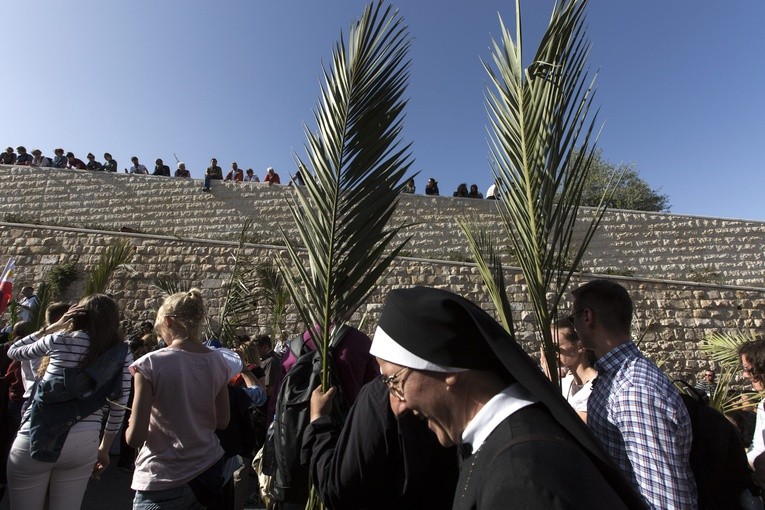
column 640, row 419
column 67, row 350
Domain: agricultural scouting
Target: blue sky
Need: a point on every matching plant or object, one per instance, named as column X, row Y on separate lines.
column 680, row 85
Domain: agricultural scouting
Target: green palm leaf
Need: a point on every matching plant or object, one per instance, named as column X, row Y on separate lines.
column 540, row 137
column 482, row 246
column 342, row 214
column 117, row 256
column 238, row 308
column 55, row 284
column 273, row 293
column 723, row 347
column 169, row 285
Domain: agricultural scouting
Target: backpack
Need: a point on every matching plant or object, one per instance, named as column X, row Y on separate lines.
column 718, row 457
column 290, row 481
column 246, row 430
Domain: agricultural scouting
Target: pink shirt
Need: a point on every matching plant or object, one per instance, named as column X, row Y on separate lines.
column 181, row 442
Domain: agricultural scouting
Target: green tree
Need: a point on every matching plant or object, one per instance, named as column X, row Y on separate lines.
column 630, row 190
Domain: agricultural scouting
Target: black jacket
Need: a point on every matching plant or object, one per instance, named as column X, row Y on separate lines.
column 531, row 461
column 376, row 461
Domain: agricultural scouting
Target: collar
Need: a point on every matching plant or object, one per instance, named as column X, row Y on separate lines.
column 616, row 357
column 501, row 405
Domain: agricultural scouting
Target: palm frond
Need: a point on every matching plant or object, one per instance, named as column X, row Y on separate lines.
column 61, row 276
column 239, row 303
column 169, row 285
column 723, row 347
column 117, row 256
column 489, row 264
column 541, row 145
column 272, row 291
column 56, row 282
column 342, row 215
column 44, row 299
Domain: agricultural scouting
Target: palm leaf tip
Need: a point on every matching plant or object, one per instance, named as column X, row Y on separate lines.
column 342, row 217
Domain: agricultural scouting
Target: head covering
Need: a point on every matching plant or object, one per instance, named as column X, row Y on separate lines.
column 180, row 163
column 450, row 332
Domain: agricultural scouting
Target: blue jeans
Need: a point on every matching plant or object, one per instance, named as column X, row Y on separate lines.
column 178, row 498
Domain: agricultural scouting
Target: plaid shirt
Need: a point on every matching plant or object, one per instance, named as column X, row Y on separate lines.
column 641, row 421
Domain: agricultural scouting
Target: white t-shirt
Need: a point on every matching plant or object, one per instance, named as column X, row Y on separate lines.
column 181, row 442
column 758, row 439
column 578, row 398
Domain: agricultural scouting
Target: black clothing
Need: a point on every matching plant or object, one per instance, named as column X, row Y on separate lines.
column 376, row 461
column 547, row 470
column 161, row 170
column 446, row 320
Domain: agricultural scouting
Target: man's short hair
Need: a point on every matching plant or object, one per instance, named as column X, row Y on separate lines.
column 22, row 329
column 263, row 340
column 55, row 311
column 610, row 301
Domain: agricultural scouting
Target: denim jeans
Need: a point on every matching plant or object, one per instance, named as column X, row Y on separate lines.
column 178, row 498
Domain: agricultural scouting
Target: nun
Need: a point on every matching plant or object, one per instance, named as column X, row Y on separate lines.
column 446, row 361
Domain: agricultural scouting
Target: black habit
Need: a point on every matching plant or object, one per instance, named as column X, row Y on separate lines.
column 529, row 461
column 376, row 461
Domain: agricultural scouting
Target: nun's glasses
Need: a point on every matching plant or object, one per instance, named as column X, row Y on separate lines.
column 395, row 384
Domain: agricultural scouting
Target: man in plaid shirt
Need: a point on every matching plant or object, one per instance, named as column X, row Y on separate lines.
column 634, row 410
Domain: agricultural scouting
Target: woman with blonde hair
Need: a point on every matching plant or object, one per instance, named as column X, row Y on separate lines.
column 57, row 448
column 180, row 399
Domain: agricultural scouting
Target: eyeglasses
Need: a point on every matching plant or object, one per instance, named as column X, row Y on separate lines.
column 571, row 317
column 396, row 386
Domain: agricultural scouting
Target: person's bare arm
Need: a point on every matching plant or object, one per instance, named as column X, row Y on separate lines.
column 143, row 398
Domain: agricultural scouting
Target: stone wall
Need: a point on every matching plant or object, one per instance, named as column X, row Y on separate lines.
column 676, row 315
column 630, row 243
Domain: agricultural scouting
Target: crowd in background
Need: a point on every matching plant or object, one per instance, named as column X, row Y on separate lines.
column 68, row 160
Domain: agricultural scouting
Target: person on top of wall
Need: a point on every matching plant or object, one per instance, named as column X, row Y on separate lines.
column 74, row 162
column 431, row 187
column 110, row 164
column 92, row 163
column 160, row 168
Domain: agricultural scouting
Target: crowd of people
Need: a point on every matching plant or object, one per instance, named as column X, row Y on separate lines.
column 68, row 385
column 69, row 161
column 214, row 172
column 431, row 189
column 439, row 381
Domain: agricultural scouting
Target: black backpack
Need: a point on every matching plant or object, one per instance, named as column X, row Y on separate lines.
column 718, row 457
column 291, row 480
column 246, row 428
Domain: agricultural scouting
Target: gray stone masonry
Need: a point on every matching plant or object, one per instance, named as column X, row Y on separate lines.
column 50, row 216
column 628, row 243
